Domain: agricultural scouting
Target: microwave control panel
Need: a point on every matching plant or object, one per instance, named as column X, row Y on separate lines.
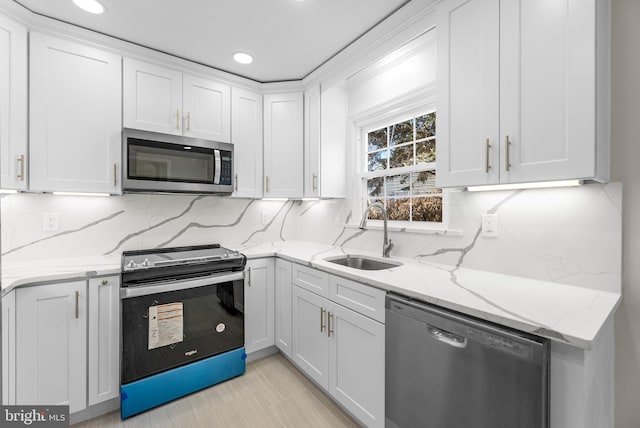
column 226, row 170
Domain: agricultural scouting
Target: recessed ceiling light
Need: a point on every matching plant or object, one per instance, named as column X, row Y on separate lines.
column 91, row 6
column 243, row 58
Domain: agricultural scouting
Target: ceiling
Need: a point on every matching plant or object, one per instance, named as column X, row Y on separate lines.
column 287, row 38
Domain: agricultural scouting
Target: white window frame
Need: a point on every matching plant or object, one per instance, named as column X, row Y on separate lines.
column 376, row 120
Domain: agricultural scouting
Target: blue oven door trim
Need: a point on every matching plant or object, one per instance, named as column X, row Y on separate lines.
column 144, row 394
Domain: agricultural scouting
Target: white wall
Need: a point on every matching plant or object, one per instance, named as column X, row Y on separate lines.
column 625, row 159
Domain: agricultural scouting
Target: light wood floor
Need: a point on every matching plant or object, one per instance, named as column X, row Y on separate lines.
column 272, row 393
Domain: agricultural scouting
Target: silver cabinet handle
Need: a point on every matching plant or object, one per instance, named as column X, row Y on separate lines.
column 115, row 174
column 236, row 183
column 249, row 277
column 104, row 282
column 21, row 174
column 77, row 304
column 322, row 326
column 507, row 146
column 267, row 184
column 330, row 329
column 177, row 119
column 188, row 121
column 315, row 182
column 487, row 167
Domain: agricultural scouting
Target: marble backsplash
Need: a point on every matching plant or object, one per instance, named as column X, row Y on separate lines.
column 566, row 235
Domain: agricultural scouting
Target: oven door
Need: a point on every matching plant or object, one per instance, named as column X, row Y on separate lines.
column 172, row 323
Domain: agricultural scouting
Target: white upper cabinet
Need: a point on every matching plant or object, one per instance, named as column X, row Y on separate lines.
column 283, row 145
column 523, row 91
column 163, row 100
column 312, row 148
column 75, row 117
column 325, row 126
column 246, row 136
column 13, row 105
column 152, row 97
column 207, row 109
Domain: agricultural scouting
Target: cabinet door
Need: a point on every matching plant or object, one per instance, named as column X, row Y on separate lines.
column 283, row 306
column 13, row 105
column 246, row 136
column 333, row 141
column 312, row 142
column 468, row 92
column 75, row 112
column 259, row 305
column 547, row 90
column 206, row 108
column 356, row 366
column 104, row 339
column 9, row 348
column 152, row 97
column 51, row 340
column 310, row 335
column 283, row 145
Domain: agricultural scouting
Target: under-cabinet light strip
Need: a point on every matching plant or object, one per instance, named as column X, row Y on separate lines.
column 538, row 185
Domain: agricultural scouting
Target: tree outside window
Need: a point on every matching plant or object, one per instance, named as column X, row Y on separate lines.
column 401, row 170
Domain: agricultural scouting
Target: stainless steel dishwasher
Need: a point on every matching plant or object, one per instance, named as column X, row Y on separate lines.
column 447, row 370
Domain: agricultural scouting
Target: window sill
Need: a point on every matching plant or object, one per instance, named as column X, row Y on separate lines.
column 423, row 230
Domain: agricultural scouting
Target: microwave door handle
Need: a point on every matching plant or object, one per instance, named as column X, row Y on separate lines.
column 218, row 167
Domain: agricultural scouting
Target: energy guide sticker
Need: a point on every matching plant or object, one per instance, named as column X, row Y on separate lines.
column 165, row 324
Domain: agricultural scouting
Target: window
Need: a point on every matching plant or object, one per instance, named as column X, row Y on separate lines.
column 401, row 170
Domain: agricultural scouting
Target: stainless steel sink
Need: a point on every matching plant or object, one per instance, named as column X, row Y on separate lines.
column 363, row 262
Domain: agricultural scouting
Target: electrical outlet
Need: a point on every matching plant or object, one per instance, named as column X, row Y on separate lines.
column 490, row 225
column 264, row 217
column 50, row 222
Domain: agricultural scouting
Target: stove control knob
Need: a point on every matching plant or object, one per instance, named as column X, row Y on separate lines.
column 225, row 255
column 146, row 263
column 131, row 264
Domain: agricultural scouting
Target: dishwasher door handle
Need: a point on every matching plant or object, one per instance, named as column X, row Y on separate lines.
column 448, row 338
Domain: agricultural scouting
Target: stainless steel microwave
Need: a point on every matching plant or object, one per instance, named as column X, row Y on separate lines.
column 154, row 162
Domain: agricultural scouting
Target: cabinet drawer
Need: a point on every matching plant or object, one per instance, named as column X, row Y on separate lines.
column 366, row 300
column 311, row 279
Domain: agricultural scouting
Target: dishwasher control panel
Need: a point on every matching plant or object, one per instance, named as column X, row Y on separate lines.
column 500, row 343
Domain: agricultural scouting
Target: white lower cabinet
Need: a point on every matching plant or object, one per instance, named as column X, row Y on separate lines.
column 51, row 340
column 59, row 360
column 104, row 339
column 258, row 305
column 9, row 348
column 343, row 351
column 283, row 290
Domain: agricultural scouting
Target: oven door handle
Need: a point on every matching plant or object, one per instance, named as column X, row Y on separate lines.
column 165, row 286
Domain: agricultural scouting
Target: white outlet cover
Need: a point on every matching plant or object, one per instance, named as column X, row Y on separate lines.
column 50, row 222
column 490, row 225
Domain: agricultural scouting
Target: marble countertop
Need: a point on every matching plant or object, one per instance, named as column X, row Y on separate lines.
column 564, row 313
column 34, row 272
column 568, row 314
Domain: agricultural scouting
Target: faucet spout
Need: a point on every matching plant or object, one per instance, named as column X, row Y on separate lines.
column 387, row 244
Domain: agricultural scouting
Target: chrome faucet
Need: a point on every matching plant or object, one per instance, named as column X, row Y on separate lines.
column 387, row 245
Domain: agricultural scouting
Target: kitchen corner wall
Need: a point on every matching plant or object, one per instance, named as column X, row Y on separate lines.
column 568, row 235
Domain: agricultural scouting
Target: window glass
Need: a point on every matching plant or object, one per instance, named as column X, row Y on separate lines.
column 401, row 170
